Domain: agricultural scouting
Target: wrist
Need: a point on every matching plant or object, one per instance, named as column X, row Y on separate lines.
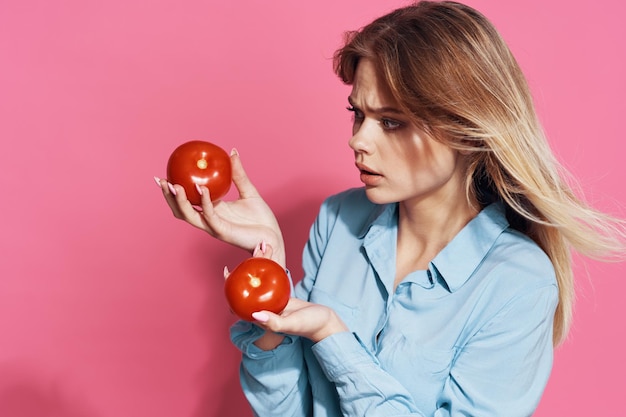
column 280, row 258
column 279, row 254
column 274, row 250
column 269, row 340
column 333, row 325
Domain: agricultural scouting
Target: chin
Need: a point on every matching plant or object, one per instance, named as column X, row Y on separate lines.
column 377, row 197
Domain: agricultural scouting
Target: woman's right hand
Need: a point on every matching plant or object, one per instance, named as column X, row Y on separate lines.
column 243, row 222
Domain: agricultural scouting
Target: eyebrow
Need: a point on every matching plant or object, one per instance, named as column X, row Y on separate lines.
column 378, row 110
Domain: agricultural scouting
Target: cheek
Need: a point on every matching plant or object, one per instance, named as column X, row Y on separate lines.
column 433, row 159
column 445, row 161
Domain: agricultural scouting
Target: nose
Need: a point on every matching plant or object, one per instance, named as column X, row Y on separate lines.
column 362, row 137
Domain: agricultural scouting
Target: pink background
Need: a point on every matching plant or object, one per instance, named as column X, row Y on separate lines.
column 111, row 307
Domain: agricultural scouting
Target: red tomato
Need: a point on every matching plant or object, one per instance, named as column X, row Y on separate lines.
column 201, row 163
column 257, row 284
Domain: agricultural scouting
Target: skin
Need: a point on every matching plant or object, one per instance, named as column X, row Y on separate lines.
column 397, row 162
column 249, row 223
column 244, row 222
column 424, row 175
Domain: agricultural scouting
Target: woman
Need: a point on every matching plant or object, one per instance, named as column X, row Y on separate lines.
column 441, row 286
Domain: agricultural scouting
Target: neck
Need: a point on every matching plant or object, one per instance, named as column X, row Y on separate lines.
column 426, row 227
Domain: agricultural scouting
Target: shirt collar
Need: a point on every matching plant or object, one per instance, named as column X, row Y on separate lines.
column 456, row 263
column 460, row 258
column 382, row 215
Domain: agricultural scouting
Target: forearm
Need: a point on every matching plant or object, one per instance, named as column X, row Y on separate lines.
column 364, row 388
column 274, row 381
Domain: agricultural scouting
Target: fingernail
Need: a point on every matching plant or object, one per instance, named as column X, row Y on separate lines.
column 158, row 181
column 226, row 272
column 263, row 246
column 260, row 316
column 257, row 248
column 199, row 189
column 171, row 187
column 234, row 152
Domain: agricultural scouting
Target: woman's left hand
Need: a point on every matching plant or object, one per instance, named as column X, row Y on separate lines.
column 301, row 318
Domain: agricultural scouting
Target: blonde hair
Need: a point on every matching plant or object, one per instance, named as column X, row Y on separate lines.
column 450, row 70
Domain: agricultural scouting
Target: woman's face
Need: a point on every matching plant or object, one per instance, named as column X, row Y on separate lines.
column 398, row 161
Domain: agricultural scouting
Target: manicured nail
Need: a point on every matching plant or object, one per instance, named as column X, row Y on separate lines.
column 158, row 181
column 263, row 246
column 260, row 316
column 199, row 189
column 171, row 187
column 256, row 250
column 234, row 152
column 226, row 272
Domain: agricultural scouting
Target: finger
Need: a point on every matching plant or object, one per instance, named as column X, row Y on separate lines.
column 179, row 195
column 295, row 304
column 169, row 196
column 256, row 252
column 262, row 250
column 205, row 198
column 187, row 211
column 163, row 185
column 243, row 184
column 278, row 322
column 212, row 221
column 266, row 319
column 312, row 321
column 267, row 250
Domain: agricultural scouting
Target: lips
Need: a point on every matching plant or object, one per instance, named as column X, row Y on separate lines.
column 364, row 169
column 368, row 176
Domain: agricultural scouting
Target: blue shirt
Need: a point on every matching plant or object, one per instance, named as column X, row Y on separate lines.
column 469, row 336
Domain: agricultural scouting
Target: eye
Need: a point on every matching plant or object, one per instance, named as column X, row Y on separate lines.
column 356, row 113
column 390, row 124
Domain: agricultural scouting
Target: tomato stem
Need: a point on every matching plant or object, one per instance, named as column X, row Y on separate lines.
column 202, row 163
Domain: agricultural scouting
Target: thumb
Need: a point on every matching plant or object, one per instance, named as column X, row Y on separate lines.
column 267, row 319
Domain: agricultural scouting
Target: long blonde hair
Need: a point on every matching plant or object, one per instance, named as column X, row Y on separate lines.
column 450, row 70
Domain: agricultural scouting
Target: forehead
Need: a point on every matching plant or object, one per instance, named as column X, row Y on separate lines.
column 369, row 88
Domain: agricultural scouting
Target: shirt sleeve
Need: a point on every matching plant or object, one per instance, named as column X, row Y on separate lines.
column 503, row 370
column 364, row 388
column 275, row 382
column 316, row 246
